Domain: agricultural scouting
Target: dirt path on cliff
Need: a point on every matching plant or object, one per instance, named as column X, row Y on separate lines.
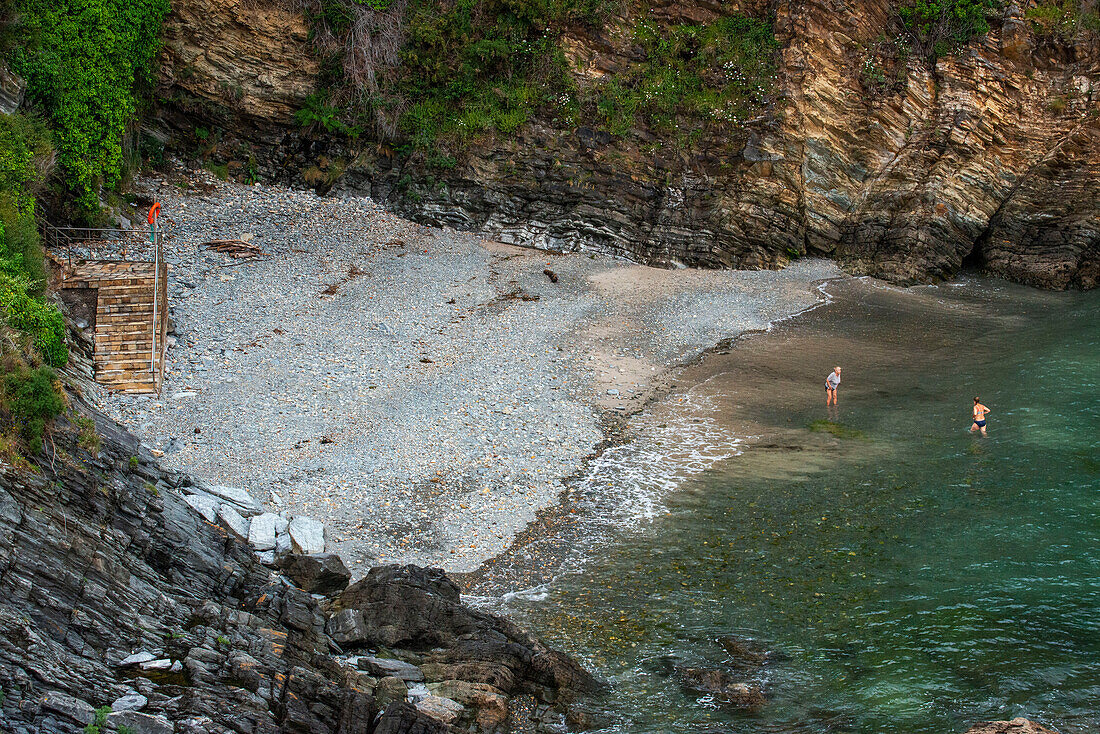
column 421, row 391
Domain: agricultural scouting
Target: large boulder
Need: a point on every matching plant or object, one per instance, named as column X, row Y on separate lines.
column 239, row 499
column 261, row 531
column 320, row 573
column 420, row 609
column 307, row 535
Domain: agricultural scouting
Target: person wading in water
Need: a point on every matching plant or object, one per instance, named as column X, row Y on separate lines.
column 832, row 382
column 979, row 417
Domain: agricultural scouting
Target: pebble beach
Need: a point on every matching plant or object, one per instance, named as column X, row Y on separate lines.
column 422, row 392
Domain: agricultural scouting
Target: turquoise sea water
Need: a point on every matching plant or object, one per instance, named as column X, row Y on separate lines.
column 905, row 575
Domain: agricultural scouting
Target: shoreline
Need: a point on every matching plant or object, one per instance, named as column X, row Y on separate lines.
column 546, row 543
column 422, row 392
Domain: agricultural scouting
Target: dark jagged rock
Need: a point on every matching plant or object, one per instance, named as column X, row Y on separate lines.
column 320, row 573
column 95, row 570
column 420, row 609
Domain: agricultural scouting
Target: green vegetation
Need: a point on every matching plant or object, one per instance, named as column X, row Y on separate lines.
column 434, row 75
column 26, row 157
column 88, row 439
column 691, row 73
column 32, row 332
column 99, row 721
column 32, row 315
column 835, row 429
column 133, row 463
column 939, row 27
column 31, row 397
column 1063, row 19
column 84, row 62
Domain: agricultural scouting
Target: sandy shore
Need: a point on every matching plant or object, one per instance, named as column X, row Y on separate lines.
column 421, row 391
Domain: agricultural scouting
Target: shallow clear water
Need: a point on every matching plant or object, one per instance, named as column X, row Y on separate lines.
column 905, row 575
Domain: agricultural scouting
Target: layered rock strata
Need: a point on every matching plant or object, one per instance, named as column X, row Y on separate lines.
column 988, row 156
column 121, row 605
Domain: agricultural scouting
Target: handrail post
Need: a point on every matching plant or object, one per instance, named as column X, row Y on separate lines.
column 156, row 296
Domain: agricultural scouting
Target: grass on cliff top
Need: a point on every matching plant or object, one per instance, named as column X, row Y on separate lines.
column 474, row 68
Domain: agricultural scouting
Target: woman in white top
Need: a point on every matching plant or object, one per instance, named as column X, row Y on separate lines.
column 832, row 382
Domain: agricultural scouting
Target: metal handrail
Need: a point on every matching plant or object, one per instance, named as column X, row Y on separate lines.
column 156, row 299
column 69, row 237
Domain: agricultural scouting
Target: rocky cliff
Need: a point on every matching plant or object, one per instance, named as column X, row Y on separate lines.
column 120, row 606
column 891, row 162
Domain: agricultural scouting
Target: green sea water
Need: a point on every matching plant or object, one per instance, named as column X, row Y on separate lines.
column 905, row 575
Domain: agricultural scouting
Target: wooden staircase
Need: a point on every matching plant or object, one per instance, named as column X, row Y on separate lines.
column 131, row 322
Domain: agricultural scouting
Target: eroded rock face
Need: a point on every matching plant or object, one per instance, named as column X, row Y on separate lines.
column 248, row 58
column 115, row 596
column 989, row 156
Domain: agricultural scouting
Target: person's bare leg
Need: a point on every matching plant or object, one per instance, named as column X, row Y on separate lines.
column 973, row 427
column 983, row 431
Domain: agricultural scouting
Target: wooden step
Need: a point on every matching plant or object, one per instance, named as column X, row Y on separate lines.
column 139, row 308
column 129, row 352
column 123, row 355
column 107, row 302
column 110, row 327
column 135, row 361
column 123, row 376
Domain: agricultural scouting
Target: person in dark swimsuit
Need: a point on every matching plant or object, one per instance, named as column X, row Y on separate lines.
column 980, row 412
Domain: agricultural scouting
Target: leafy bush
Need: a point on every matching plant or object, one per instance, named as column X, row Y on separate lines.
column 26, row 157
column 41, row 320
column 942, row 26
column 31, row 397
column 83, row 60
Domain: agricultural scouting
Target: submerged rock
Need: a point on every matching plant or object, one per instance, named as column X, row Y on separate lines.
column 725, row 689
column 1015, row 726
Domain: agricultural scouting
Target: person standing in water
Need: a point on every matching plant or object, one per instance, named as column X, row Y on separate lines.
column 832, row 382
column 979, row 417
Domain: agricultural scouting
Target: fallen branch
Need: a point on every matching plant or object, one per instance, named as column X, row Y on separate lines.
column 234, row 248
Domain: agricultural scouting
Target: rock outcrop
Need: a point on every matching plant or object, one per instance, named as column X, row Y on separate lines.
column 988, row 156
column 123, row 605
